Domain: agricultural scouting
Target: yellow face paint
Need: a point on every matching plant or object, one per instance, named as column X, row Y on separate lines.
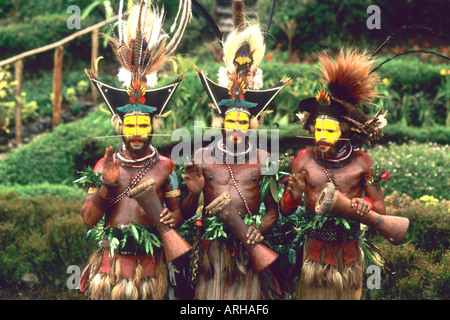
column 136, row 128
column 327, row 130
column 236, row 120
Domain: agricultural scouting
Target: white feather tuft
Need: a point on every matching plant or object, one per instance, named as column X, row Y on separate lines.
column 152, row 80
column 223, row 77
column 236, row 38
column 257, row 80
column 124, row 76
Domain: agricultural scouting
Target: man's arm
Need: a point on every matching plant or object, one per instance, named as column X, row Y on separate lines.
column 294, row 187
column 195, row 182
column 95, row 204
column 373, row 199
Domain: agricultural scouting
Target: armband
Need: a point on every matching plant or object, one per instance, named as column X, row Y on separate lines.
column 290, row 203
column 172, row 194
column 371, row 202
column 107, row 183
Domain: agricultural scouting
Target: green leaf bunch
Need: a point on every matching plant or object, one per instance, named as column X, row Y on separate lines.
column 118, row 237
column 88, row 178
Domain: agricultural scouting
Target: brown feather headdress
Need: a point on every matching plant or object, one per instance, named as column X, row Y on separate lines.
column 350, row 83
column 142, row 48
column 348, row 76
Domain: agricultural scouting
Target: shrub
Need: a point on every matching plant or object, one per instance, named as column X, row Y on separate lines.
column 415, row 275
column 429, row 221
column 416, row 169
column 42, row 236
column 50, row 158
column 64, row 191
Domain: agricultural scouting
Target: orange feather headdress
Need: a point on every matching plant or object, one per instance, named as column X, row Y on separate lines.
column 349, row 82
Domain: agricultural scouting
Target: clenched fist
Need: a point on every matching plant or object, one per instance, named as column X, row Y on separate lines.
column 295, row 185
column 193, row 177
column 362, row 206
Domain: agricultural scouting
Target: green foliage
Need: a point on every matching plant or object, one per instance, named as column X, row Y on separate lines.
column 51, row 157
column 45, row 188
column 118, row 237
column 415, row 93
column 420, row 263
column 217, row 230
column 377, row 174
column 88, row 179
column 417, row 275
column 401, row 133
column 309, row 24
column 429, row 220
column 6, row 92
column 41, row 235
column 415, row 169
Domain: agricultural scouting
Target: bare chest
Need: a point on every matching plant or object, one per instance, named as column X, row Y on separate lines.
column 223, row 175
column 349, row 179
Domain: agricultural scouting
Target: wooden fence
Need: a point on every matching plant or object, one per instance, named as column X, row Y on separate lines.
column 57, row 72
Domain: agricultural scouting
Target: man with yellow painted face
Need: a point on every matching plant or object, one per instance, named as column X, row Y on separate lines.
column 232, row 165
column 332, row 259
column 134, row 261
column 223, row 267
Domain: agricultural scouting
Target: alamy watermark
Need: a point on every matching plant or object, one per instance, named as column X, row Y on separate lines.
column 374, row 20
column 74, row 20
column 73, row 280
column 224, row 140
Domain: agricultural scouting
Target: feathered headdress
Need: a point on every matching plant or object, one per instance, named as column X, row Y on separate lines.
column 243, row 50
column 349, row 83
column 350, row 78
column 142, row 48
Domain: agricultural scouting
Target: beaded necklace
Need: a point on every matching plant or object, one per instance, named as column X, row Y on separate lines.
column 328, row 175
column 150, row 163
column 239, row 190
column 343, row 157
column 226, row 154
column 122, row 158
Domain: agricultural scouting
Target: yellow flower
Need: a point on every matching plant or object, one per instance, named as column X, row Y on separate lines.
column 385, row 81
column 443, row 72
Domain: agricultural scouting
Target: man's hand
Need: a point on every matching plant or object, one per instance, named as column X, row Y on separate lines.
column 361, row 205
column 167, row 217
column 296, row 185
column 254, row 235
column 110, row 166
column 193, row 177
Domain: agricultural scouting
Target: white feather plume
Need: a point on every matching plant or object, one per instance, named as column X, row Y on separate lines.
column 152, row 80
column 124, row 76
column 236, row 38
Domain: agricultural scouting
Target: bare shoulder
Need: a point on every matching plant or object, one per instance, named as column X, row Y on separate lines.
column 263, row 155
column 166, row 164
column 199, row 155
column 303, row 157
column 99, row 166
column 363, row 159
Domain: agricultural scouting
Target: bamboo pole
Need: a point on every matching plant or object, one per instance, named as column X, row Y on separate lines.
column 57, row 85
column 56, row 44
column 94, row 56
column 18, row 105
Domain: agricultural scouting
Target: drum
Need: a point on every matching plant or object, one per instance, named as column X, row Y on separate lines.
column 332, row 202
